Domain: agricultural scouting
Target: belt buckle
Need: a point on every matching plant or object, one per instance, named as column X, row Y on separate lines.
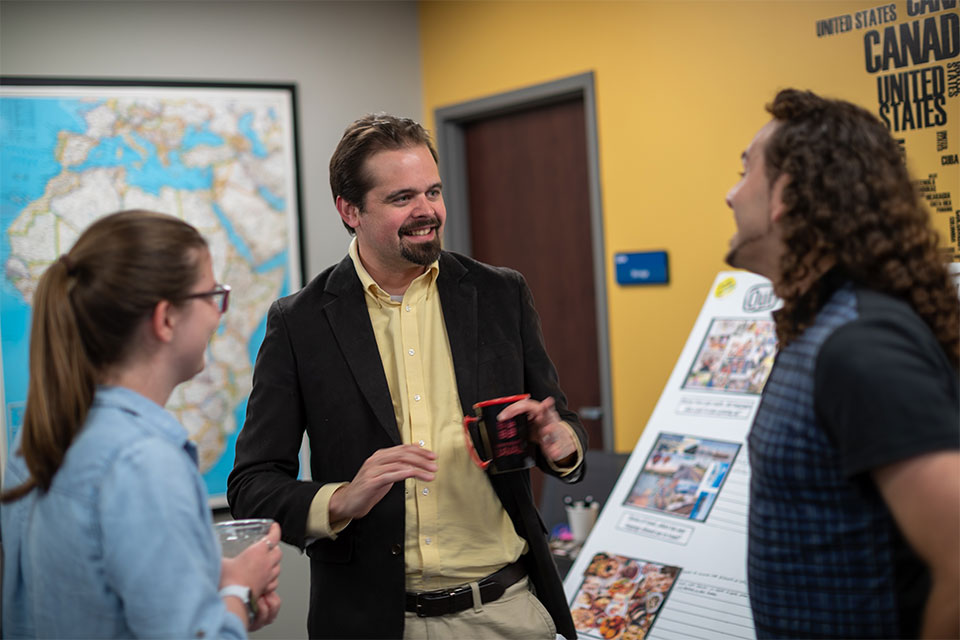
column 445, row 595
column 428, row 597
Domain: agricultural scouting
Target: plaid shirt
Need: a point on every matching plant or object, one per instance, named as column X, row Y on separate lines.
column 822, row 546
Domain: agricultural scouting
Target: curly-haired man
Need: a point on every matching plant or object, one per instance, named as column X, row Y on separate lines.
column 855, row 448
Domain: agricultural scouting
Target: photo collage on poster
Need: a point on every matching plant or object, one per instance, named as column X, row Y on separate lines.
column 736, row 356
column 682, row 476
column 620, row 597
column 650, row 567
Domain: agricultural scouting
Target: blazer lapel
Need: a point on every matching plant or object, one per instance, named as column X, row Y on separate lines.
column 350, row 323
column 458, row 298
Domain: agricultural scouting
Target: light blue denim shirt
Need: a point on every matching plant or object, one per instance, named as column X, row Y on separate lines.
column 121, row 545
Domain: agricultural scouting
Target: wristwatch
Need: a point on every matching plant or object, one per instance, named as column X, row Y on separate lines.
column 242, row 592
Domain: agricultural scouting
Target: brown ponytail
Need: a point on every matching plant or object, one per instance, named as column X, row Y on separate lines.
column 61, row 380
column 86, row 309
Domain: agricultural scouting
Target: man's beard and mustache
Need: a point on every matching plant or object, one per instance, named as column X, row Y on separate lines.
column 735, row 254
column 731, row 257
column 422, row 253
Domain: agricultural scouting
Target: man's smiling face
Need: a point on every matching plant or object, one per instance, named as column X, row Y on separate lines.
column 401, row 221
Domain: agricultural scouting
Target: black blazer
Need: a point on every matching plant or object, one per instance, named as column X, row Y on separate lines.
column 319, row 370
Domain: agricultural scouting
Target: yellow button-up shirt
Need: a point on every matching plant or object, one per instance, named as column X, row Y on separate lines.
column 457, row 530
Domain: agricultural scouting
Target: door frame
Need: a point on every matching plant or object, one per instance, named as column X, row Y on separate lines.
column 450, row 122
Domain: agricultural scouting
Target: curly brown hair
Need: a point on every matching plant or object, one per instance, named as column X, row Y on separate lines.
column 849, row 200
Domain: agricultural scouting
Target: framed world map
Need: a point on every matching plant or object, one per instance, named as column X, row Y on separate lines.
column 222, row 156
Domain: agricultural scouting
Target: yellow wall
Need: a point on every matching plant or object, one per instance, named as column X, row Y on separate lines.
column 680, row 89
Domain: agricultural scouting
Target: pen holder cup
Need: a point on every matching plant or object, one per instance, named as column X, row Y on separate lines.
column 581, row 519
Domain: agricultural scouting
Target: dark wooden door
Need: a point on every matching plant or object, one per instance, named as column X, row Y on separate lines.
column 529, row 210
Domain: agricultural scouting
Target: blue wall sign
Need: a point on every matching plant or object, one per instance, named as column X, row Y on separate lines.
column 647, row 267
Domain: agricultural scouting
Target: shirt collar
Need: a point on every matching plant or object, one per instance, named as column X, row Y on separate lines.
column 429, row 277
column 808, row 304
column 153, row 417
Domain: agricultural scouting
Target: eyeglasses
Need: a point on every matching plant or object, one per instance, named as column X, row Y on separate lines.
column 222, row 290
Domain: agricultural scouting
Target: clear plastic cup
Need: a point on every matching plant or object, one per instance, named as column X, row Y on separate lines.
column 237, row 535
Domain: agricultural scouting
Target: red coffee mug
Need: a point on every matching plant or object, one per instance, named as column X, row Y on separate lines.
column 498, row 446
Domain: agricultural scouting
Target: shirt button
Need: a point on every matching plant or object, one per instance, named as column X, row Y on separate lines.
column 395, row 550
column 411, row 352
column 425, row 491
column 422, row 443
column 417, row 397
column 427, row 540
column 408, row 307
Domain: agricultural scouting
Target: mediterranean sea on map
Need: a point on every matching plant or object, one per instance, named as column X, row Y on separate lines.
column 224, row 164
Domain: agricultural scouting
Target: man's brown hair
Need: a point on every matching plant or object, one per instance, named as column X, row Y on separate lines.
column 371, row 134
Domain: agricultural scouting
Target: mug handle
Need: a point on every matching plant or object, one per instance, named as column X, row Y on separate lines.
column 473, row 452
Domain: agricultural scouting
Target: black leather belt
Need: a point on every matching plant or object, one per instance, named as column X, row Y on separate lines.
column 439, row 603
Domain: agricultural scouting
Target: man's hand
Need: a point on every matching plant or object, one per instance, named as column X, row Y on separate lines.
column 554, row 438
column 377, row 475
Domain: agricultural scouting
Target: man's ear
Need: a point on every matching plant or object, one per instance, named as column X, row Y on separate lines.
column 777, row 208
column 349, row 213
column 163, row 320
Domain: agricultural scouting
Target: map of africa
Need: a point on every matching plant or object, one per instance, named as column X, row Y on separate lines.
column 223, row 160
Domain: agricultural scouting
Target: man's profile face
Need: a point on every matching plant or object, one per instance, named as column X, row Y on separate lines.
column 755, row 203
column 401, row 222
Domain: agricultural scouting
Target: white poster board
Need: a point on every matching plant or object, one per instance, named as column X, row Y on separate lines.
column 667, row 557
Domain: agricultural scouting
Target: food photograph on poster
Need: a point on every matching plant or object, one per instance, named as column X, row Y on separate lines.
column 736, row 356
column 682, row 475
column 620, row 597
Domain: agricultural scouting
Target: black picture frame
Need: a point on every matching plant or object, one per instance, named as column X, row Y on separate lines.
column 257, row 122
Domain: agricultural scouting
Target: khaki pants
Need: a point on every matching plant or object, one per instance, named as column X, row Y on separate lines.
column 517, row 614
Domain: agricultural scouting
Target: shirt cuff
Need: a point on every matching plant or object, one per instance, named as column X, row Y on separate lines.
column 567, row 470
column 318, row 520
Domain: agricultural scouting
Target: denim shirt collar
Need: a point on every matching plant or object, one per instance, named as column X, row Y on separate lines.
column 153, row 418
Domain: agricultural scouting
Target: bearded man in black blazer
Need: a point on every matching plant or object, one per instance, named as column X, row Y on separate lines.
column 377, row 360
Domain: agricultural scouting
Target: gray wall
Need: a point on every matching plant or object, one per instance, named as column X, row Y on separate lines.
column 347, row 59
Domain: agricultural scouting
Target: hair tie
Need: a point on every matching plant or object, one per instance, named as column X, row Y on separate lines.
column 67, row 264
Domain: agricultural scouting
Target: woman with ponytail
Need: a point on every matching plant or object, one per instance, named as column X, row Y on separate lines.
column 105, row 526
